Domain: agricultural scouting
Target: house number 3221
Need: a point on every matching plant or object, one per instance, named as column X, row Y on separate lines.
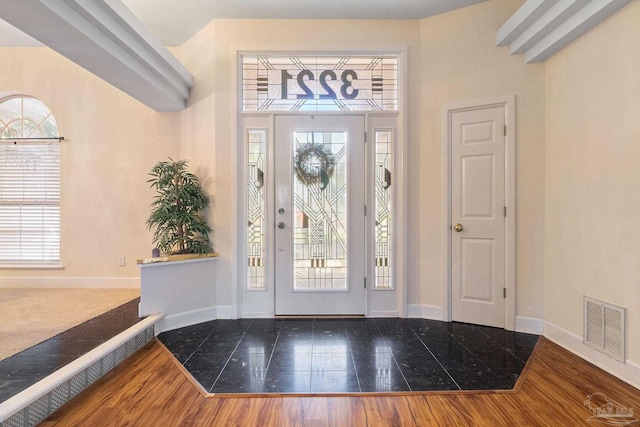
column 346, row 90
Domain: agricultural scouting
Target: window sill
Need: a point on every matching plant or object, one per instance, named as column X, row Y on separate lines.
column 29, row 266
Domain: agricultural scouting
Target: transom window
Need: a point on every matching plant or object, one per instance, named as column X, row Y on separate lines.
column 29, row 182
column 319, row 83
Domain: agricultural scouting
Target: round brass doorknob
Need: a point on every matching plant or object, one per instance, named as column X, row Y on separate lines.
column 458, row 227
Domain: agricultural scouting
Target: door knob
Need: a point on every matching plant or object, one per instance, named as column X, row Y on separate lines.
column 281, row 225
column 458, row 227
column 281, row 211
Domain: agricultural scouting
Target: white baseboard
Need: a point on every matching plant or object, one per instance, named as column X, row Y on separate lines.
column 188, row 318
column 70, row 282
column 257, row 315
column 181, row 320
column 384, row 314
column 628, row 372
column 225, row 312
column 529, row 325
column 432, row 312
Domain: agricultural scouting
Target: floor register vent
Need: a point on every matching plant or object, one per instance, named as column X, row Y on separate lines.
column 605, row 327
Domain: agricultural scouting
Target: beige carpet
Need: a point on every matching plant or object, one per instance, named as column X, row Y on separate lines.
column 30, row 316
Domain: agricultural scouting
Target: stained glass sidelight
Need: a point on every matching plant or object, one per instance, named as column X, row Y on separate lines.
column 320, row 210
column 319, row 83
column 256, row 146
column 383, row 204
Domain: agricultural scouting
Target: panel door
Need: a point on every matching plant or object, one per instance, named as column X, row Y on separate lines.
column 477, row 206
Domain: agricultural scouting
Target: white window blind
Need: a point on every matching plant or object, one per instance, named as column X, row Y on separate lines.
column 29, row 202
column 29, row 182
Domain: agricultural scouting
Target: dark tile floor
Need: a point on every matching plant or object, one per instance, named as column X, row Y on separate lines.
column 348, row 355
column 26, row 368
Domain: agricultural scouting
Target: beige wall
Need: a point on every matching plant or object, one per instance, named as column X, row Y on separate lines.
column 441, row 52
column 111, row 142
column 577, row 150
column 451, row 58
column 592, row 186
column 199, row 142
column 460, row 62
column 211, row 55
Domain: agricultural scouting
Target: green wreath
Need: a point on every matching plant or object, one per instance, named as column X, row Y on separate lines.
column 314, row 163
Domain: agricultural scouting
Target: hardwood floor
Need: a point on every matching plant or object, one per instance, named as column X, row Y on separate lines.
column 150, row 390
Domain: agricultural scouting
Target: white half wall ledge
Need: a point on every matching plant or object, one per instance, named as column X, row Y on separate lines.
column 181, row 290
column 541, row 28
column 74, row 377
column 107, row 39
column 628, row 372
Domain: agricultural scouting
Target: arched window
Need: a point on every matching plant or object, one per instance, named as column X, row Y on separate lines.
column 29, row 182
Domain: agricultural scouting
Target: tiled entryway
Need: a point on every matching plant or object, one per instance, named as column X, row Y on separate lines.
column 348, row 355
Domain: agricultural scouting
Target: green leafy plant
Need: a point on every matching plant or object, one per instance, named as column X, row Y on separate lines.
column 176, row 212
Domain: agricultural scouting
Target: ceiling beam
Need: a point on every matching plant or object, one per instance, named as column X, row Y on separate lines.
column 105, row 37
column 548, row 22
column 521, row 20
column 540, row 28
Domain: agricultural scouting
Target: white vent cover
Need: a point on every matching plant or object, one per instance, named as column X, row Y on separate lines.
column 604, row 328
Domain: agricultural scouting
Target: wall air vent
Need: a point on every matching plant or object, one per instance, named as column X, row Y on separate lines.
column 605, row 328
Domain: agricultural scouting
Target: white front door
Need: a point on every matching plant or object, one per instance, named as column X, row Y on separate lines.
column 477, row 216
column 320, row 225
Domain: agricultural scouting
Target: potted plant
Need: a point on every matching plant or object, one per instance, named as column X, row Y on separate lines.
column 180, row 284
column 176, row 212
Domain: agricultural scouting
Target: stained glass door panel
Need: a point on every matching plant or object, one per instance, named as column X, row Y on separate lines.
column 320, row 215
column 320, row 210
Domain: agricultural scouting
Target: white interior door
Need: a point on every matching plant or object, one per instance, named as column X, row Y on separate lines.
column 319, row 203
column 477, row 209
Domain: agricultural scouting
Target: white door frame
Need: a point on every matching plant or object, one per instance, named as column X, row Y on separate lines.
column 378, row 303
column 241, row 304
column 509, row 104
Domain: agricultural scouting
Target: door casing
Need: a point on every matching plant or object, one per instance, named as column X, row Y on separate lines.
column 378, row 303
column 261, row 303
column 508, row 103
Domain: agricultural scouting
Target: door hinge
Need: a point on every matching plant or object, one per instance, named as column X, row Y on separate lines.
column 365, row 283
column 505, row 211
column 504, row 292
column 505, row 130
column 365, row 210
column 365, row 137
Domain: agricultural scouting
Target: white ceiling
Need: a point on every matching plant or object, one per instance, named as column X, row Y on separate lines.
column 174, row 22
